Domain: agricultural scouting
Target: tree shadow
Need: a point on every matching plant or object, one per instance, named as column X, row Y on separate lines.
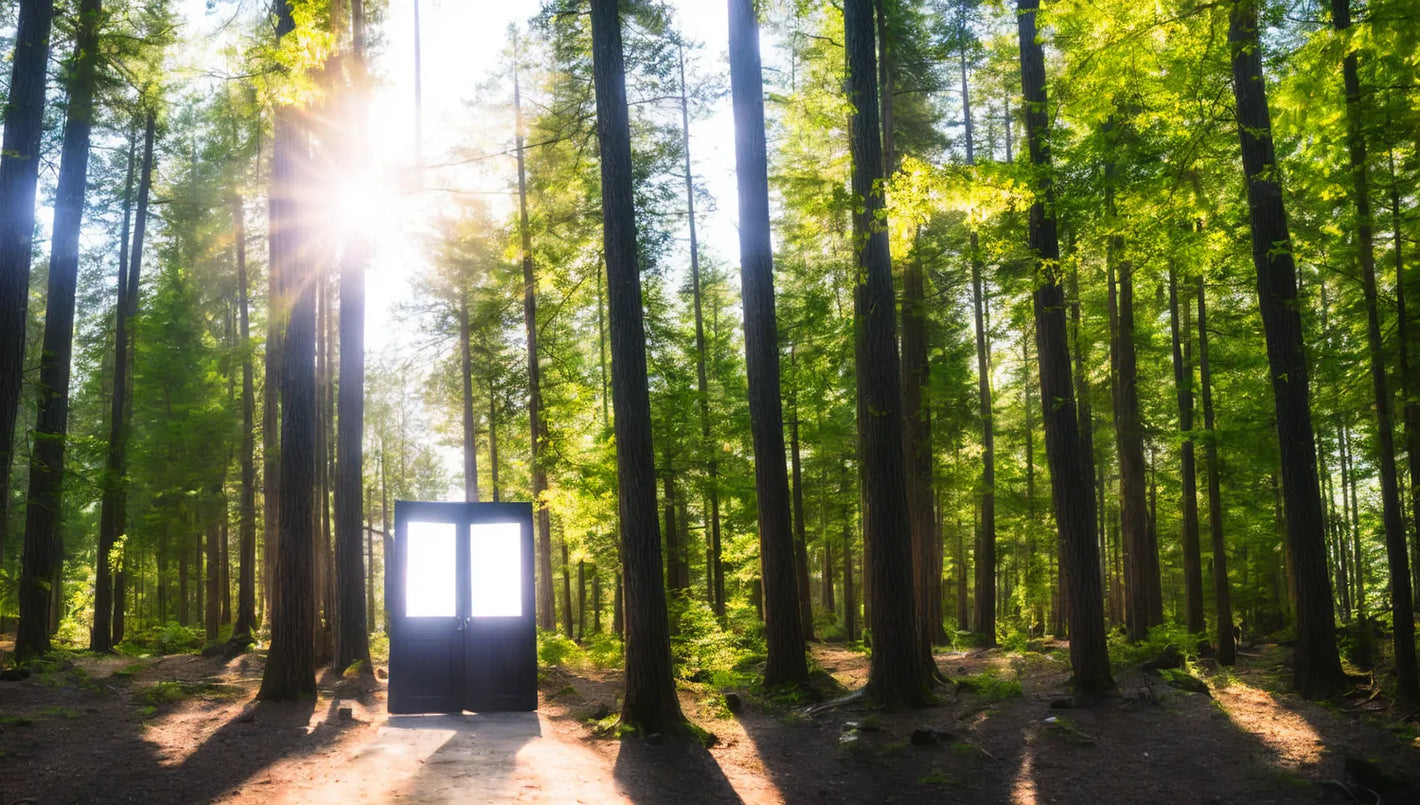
column 469, row 757
column 677, row 771
column 827, row 759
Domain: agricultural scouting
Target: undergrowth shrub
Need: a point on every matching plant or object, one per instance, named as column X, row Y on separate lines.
column 705, row 651
column 169, row 638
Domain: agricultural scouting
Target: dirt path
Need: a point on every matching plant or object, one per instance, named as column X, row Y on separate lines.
column 182, row 729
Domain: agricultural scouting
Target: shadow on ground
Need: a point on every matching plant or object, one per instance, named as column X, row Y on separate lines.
column 679, row 770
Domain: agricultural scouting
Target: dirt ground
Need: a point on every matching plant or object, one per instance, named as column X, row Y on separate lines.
column 184, row 729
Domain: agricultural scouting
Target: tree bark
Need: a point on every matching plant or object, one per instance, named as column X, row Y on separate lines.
column 1409, row 383
column 19, row 173
column 1183, row 384
column 1397, row 553
column 1222, row 601
column 715, row 576
column 470, row 427
column 985, row 605
column 1317, row 670
column 43, row 551
column 290, row 664
column 545, row 603
column 112, row 514
column 900, row 666
column 1073, row 500
column 246, row 571
column 782, row 615
column 352, row 642
column 801, row 545
column 650, row 703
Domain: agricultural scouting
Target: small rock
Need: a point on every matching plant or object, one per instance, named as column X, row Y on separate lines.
column 849, row 738
column 381, row 673
column 927, row 736
column 733, row 702
column 655, row 739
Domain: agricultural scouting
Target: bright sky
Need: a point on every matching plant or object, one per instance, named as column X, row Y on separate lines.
column 463, row 46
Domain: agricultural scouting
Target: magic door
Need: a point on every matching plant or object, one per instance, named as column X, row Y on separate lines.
column 461, row 608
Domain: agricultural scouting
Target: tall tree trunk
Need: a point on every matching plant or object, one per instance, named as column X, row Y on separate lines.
column 19, row 173
column 566, row 589
column 1129, row 435
column 1183, row 383
column 493, row 438
column 1409, row 383
column 246, row 571
column 290, row 664
column 782, row 615
column 1397, row 554
column 985, row 614
column 470, row 426
column 43, row 552
column 271, row 433
column 135, row 265
column 111, row 515
column 715, row 575
column 901, row 664
column 1074, row 517
column 677, row 578
column 917, row 447
column 1317, row 670
column 1087, row 439
column 801, row 545
column 650, row 702
column 1222, row 601
column 212, row 615
column 1353, row 523
column 352, row 642
column 545, row 603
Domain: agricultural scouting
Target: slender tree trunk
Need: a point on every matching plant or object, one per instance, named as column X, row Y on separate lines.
column 650, row 703
column 801, row 547
column 110, row 516
column 290, row 664
column 900, row 667
column 782, row 614
column 1129, row 435
column 1397, row 553
column 43, row 551
column 1073, row 499
column 493, row 438
column 212, row 615
column 470, row 427
column 1222, row 602
column 712, row 482
column 135, row 257
column 1317, row 670
column 986, row 528
column 1183, row 383
column 1409, row 383
column 1087, row 440
column 19, row 173
column 566, row 589
column 850, row 602
column 352, row 642
column 545, row 603
column 246, row 571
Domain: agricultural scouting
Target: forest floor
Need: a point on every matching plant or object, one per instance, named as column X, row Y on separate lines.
column 183, row 728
